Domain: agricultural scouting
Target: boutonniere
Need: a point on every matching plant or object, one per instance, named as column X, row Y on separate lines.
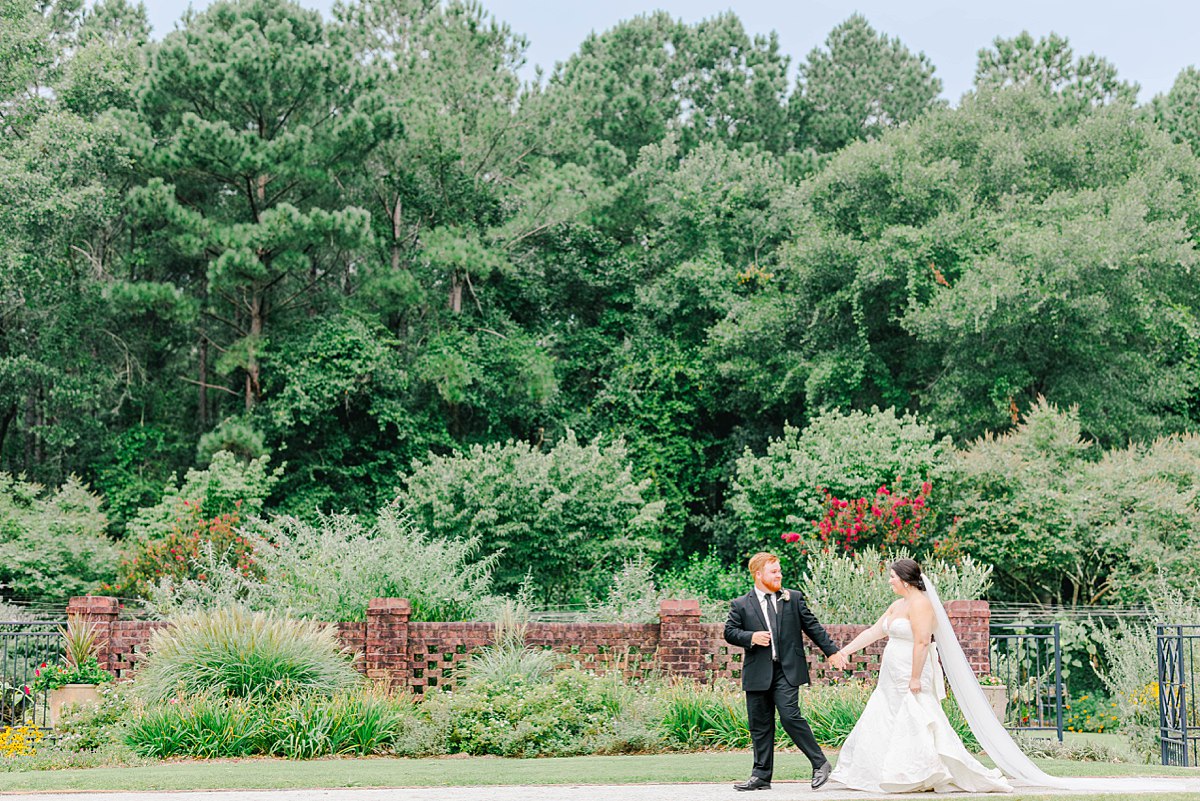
column 787, row 595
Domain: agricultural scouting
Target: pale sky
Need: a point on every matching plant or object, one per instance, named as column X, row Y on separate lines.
column 1149, row 41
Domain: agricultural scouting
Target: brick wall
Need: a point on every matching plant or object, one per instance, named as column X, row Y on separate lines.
column 419, row 655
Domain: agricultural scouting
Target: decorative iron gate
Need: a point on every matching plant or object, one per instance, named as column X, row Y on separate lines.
column 1178, row 706
column 24, row 648
column 1027, row 658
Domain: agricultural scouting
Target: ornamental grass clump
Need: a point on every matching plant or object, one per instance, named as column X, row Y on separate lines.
column 237, row 653
column 362, row 723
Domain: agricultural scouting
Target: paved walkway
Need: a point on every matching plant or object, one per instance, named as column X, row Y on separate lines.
column 781, row 791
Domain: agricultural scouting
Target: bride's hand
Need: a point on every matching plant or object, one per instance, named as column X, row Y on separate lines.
column 914, row 686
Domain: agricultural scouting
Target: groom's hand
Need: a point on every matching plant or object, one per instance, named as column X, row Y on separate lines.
column 838, row 661
column 762, row 638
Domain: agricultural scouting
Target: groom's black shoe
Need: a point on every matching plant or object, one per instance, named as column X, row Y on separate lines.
column 753, row 783
column 821, row 775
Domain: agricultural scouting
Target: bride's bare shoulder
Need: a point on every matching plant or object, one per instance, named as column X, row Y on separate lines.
column 920, row 603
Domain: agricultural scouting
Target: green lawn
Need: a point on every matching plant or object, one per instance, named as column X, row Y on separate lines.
column 390, row 772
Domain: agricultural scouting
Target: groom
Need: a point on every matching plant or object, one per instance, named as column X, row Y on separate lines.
column 767, row 622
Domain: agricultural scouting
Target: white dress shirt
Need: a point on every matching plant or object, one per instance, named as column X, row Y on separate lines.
column 762, row 602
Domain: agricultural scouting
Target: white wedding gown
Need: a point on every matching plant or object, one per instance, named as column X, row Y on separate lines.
column 903, row 742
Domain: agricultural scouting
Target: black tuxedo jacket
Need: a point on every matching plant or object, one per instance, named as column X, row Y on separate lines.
column 746, row 617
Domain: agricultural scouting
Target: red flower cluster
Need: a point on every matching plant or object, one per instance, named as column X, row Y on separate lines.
column 887, row 521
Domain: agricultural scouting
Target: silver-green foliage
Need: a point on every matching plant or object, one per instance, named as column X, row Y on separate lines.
column 854, row 588
column 52, row 542
column 1064, row 521
column 331, row 569
column 1129, row 668
column 508, row 660
column 236, row 653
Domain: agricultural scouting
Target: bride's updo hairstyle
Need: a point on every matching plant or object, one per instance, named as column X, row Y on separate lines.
column 908, row 571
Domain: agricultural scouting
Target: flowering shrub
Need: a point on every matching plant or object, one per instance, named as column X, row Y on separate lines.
column 1091, row 713
column 887, row 521
column 19, row 741
column 177, row 555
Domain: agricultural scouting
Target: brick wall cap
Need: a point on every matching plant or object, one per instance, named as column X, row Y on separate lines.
column 688, row 607
column 93, row 603
column 389, row 605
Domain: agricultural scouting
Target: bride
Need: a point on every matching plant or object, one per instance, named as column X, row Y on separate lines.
column 903, row 742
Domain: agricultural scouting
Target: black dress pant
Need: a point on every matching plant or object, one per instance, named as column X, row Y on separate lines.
column 760, row 709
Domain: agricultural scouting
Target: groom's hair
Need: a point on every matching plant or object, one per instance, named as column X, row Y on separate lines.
column 759, row 560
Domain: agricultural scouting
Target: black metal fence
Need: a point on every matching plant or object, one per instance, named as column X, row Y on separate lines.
column 24, row 648
column 1178, row 706
column 1027, row 658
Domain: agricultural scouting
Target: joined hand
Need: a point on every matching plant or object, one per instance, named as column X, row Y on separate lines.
column 839, row 661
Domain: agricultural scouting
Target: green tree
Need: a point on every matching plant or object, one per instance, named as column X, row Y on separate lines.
column 246, row 121
column 860, row 85
column 108, row 61
column 980, row 258
column 645, row 77
column 1049, row 64
column 1178, row 111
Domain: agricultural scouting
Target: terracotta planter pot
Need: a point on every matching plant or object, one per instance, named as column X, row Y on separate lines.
column 997, row 695
column 70, row 695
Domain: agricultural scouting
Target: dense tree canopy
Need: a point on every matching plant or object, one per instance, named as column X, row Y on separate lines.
column 624, row 309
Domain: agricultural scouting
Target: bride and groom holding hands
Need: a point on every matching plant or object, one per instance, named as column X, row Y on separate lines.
column 903, row 741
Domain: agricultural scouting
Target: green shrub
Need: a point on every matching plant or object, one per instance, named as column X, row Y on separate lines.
column 1128, row 669
column 707, row 579
column 200, row 726
column 227, row 486
column 508, row 660
column 1090, row 712
column 238, row 653
column 96, row 727
column 568, row 516
column 1067, row 524
column 564, row 716
column 176, row 557
column 633, row 596
column 1075, row 750
column 705, row 716
column 850, row 455
column 332, row 569
column 53, row 543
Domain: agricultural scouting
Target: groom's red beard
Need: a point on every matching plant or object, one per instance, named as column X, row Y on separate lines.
column 773, row 586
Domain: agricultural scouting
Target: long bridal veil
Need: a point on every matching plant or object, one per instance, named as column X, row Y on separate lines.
column 991, row 733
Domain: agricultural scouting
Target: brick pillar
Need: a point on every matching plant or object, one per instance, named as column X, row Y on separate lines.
column 681, row 639
column 386, row 651
column 971, row 621
column 103, row 612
